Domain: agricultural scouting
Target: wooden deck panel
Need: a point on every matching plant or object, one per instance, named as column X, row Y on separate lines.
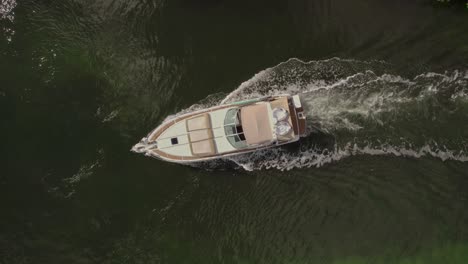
column 299, row 125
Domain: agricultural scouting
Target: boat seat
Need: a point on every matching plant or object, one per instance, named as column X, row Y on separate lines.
column 199, row 122
column 201, row 134
column 203, row 148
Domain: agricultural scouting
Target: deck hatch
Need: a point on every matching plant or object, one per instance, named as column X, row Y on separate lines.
column 174, row 141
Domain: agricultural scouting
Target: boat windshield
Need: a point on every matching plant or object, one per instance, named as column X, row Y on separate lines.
column 233, row 129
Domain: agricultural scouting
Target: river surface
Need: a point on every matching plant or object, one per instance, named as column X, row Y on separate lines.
column 382, row 176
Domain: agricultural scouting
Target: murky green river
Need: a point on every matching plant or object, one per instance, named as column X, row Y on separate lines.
column 382, row 176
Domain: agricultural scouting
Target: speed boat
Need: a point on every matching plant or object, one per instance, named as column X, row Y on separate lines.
column 226, row 130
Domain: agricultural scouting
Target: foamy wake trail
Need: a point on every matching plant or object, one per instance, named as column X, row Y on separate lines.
column 361, row 108
column 284, row 160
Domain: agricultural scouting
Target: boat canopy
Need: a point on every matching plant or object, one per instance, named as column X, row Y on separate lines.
column 257, row 123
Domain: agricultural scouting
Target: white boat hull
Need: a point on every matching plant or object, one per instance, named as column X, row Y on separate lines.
column 205, row 134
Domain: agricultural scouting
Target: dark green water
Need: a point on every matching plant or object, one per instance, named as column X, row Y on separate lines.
column 382, row 176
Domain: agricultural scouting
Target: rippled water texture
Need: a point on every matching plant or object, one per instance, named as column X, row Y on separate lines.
column 381, row 177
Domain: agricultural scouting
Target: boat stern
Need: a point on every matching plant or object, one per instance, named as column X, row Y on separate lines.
column 299, row 115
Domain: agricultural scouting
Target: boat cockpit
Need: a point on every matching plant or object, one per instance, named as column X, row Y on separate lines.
column 233, row 129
